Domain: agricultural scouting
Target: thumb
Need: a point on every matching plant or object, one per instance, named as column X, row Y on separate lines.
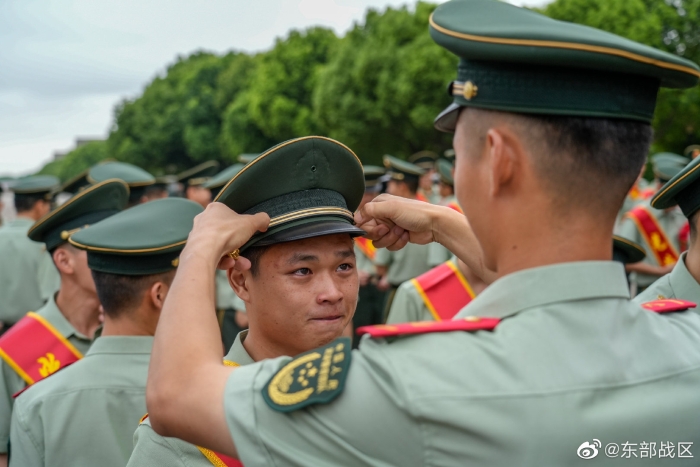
column 260, row 221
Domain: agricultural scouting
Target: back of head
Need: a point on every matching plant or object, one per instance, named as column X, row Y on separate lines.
column 119, row 294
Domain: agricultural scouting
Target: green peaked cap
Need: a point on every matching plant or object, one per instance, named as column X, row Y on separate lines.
column 444, row 169
column 247, row 158
column 91, row 205
column 626, row 251
column 76, row 183
column 683, row 190
column 132, row 175
column 145, row 239
column 308, row 186
column 372, row 174
column 35, row 185
column 423, row 159
column 667, row 164
column 199, row 174
column 516, row 60
column 400, row 170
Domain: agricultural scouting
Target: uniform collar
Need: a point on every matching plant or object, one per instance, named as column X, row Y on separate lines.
column 682, row 282
column 122, row 345
column 237, row 353
column 21, row 222
column 546, row 285
column 53, row 314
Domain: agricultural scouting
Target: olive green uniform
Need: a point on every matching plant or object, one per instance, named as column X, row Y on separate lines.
column 152, row 449
column 86, row 414
column 476, row 398
column 11, row 383
column 670, row 221
column 677, row 284
column 408, row 306
column 28, row 277
column 404, row 264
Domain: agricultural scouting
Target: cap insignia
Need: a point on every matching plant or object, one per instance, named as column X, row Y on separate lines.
column 314, row 377
column 470, row 90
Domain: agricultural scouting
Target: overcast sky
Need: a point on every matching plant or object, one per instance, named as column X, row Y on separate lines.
column 65, row 64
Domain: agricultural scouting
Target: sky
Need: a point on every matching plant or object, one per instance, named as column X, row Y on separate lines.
column 65, row 64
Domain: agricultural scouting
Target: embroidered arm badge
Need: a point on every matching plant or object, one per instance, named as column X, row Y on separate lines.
column 314, row 377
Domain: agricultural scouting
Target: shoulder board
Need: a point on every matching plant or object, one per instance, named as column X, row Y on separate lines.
column 314, row 377
column 49, row 350
column 470, row 323
column 434, row 276
column 667, row 305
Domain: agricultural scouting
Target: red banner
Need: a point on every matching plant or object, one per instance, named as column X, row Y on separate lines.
column 444, row 290
column 659, row 243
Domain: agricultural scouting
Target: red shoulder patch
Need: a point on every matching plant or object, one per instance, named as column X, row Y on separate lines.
column 143, row 418
column 471, row 323
column 667, row 304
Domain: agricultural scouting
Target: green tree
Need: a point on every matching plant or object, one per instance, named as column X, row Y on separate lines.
column 277, row 104
column 670, row 25
column 77, row 161
column 385, row 85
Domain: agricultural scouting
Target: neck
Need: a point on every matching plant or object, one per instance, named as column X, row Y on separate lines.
column 127, row 323
column 26, row 215
column 542, row 238
column 260, row 348
column 692, row 260
column 80, row 307
column 475, row 282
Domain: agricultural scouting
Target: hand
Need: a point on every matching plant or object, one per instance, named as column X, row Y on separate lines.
column 383, row 284
column 391, row 222
column 219, row 230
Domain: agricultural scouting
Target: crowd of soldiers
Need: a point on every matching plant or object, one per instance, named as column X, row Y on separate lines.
column 526, row 298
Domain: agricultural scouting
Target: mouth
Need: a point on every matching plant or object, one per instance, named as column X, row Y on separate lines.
column 329, row 319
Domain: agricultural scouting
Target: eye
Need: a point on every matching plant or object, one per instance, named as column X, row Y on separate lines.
column 345, row 267
column 302, row 272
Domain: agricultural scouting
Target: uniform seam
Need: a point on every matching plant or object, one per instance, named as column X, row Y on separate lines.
column 557, row 391
column 25, row 428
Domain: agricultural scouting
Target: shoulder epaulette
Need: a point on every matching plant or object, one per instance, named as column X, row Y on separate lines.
column 471, row 323
column 49, row 350
column 444, row 290
column 667, row 305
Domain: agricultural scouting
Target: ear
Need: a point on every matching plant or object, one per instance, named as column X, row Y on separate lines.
column 157, row 292
column 239, row 280
column 64, row 261
column 505, row 156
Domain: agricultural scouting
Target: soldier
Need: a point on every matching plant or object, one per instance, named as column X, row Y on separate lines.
column 438, row 254
column 442, row 292
column 138, row 179
column 660, row 231
column 76, row 184
column 396, row 267
column 371, row 300
column 28, row 277
column 230, row 309
column 692, row 151
column 86, row 414
column 552, row 125
column 60, row 332
column 683, row 190
column 426, row 185
column 299, row 276
column 194, row 180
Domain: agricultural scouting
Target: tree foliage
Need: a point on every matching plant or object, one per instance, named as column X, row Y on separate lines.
column 377, row 89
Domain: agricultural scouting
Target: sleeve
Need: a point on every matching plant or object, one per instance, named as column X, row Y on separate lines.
column 152, row 449
column 437, row 254
column 383, row 257
column 341, row 432
column 25, row 448
column 49, row 278
column 406, row 306
column 10, row 384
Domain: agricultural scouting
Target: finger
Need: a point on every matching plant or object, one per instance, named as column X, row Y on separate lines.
column 390, row 238
column 261, row 221
column 226, row 263
column 242, row 264
column 400, row 243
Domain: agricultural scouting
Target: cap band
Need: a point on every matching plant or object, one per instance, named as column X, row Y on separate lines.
column 300, row 204
column 59, row 235
column 554, row 90
column 133, row 265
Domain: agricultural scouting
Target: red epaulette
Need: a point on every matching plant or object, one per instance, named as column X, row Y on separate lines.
column 471, row 323
column 667, row 304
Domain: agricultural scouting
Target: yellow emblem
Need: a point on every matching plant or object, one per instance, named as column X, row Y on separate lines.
column 49, row 364
column 470, row 90
column 175, row 262
column 313, row 377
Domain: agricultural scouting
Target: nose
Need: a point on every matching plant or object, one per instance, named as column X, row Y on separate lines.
column 329, row 290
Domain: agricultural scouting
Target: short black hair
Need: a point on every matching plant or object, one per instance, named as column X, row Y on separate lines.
column 119, row 292
column 411, row 184
column 26, row 202
column 588, row 161
column 253, row 254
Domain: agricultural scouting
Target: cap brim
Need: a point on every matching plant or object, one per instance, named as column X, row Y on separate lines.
column 446, row 121
column 303, row 229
